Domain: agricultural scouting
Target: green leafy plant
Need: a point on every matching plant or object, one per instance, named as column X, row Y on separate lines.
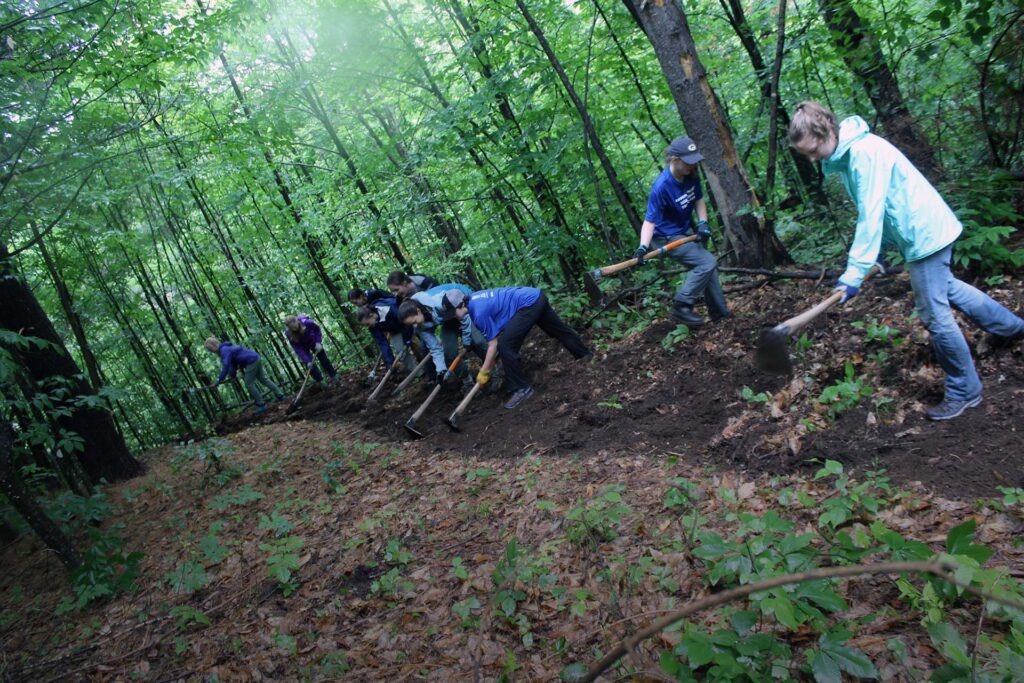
column 748, row 395
column 243, row 495
column 596, row 520
column 106, row 570
column 845, row 393
column 676, row 336
column 611, row 402
column 187, row 577
column 283, row 559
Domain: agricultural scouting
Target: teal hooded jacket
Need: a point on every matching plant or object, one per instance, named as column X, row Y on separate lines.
column 895, row 203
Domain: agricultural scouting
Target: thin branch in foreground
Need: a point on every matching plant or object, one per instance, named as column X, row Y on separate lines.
column 942, row 570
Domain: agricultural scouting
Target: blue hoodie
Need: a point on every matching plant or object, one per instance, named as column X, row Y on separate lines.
column 895, row 203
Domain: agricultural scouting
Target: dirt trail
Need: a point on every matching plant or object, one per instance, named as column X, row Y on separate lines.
column 687, row 402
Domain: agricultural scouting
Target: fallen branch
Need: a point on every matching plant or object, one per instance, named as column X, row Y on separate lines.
column 942, row 570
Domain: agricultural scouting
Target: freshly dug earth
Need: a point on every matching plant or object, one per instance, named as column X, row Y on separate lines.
column 688, row 399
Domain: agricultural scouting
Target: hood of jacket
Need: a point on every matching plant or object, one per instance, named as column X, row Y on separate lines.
column 850, row 130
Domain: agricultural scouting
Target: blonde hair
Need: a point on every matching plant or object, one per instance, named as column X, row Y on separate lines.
column 810, row 118
column 212, row 344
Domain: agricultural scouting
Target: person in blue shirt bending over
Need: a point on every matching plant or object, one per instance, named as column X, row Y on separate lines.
column 897, row 205
column 234, row 358
column 424, row 311
column 675, row 200
column 388, row 330
column 505, row 316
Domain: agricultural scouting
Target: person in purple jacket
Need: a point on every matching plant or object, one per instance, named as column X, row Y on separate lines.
column 505, row 316
column 234, row 358
column 307, row 341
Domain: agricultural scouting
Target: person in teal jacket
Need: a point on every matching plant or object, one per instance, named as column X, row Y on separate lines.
column 898, row 206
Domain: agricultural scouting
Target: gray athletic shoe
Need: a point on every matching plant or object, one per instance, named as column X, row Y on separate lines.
column 947, row 410
column 518, row 397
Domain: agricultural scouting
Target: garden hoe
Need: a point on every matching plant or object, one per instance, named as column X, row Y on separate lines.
column 410, row 425
column 294, row 405
column 773, row 346
column 453, row 420
column 590, row 279
column 387, row 376
column 412, row 375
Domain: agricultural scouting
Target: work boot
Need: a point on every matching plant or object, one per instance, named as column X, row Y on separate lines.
column 715, row 317
column 518, row 397
column 998, row 341
column 948, row 409
column 683, row 313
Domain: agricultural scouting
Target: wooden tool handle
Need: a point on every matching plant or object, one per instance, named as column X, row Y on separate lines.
column 797, row 322
column 433, row 394
column 655, row 253
column 412, row 375
column 465, row 402
column 380, row 386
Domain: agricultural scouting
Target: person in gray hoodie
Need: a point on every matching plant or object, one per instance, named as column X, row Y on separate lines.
column 896, row 205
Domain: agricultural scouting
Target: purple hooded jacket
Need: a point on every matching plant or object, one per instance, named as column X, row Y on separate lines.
column 233, row 357
column 309, row 336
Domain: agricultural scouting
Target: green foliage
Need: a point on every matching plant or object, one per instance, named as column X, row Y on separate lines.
column 241, row 496
column 76, row 513
column 185, row 616
column 611, row 402
column 276, row 523
column 748, row 395
column 845, row 393
column 187, row 577
column 596, row 520
column 282, row 560
column 675, row 337
column 878, row 332
column 106, row 570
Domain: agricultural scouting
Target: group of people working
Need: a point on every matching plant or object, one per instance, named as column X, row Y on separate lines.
column 492, row 324
column 897, row 208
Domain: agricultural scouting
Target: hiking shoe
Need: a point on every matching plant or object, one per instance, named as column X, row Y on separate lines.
column 715, row 317
column 518, row 397
column 260, row 409
column 998, row 341
column 947, row 410
column 683, row 313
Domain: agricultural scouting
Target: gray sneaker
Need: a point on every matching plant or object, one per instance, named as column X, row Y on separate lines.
column 518, row 397
column 947, row 410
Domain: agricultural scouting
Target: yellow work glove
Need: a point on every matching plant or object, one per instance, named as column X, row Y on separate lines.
column 483, row 377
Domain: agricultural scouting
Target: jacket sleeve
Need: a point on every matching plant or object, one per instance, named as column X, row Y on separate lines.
column 467, row 332
column 869, row 181
column 382, row 344
column 314, row 334
column 433, row 346
column 301, row 352
column 225, row 367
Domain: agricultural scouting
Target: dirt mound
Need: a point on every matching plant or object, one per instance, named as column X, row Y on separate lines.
column 703, row 398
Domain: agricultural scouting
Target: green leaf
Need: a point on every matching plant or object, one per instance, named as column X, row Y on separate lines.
column 782, row 608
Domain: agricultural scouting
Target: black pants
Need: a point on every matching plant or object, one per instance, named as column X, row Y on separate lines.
column 512, row 337
column 328, row 368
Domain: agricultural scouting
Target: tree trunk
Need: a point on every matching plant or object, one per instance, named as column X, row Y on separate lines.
column 104, row 454
column 860, row 50
column 22, row 500
column 588, row 124
column 752, row 244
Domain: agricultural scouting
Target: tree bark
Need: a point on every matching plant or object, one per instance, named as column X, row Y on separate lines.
column 751, row 242
column 104, row 454
column 23, row 501
column 860, row 50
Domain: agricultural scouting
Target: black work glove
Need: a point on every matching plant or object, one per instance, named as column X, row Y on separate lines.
column 703, row 232
column 639, row 254
column 441, row 377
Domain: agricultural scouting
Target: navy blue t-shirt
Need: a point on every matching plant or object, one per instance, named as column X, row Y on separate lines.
column 491, row 309
column 670, row 204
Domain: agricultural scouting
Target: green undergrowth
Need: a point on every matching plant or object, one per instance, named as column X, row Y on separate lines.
column 546, row 565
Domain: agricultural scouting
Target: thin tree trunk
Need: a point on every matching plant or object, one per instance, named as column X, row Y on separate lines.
column 863, row 55
column 752, row 244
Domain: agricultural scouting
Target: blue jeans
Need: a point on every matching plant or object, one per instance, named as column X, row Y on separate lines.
column 935, row 290
column 702, row 280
